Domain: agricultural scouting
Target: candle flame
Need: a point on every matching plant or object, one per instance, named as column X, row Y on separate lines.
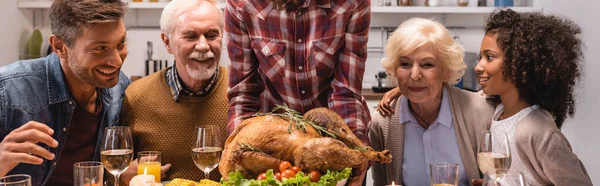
column 145, row 170
column 393, row 184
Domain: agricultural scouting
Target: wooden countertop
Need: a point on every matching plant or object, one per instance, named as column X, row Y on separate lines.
column 369, row 94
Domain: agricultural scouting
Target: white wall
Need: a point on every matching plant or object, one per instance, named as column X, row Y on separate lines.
column 582, row 130
column 16, row 29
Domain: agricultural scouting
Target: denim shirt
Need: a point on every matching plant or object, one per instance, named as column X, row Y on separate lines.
column 36, row 90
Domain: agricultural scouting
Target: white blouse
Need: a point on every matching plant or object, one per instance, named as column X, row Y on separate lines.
column 507, row 126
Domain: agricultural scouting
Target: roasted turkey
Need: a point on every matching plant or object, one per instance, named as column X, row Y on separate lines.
column 262, row 142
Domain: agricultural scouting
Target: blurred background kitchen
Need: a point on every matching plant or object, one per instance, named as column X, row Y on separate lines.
column 464, row 18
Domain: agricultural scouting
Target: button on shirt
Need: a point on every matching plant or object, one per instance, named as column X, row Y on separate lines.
column 305, row 57
column 435, row 144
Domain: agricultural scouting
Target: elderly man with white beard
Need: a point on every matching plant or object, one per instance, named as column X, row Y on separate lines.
column 164, row 109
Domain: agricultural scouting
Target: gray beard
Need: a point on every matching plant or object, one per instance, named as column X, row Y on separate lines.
column 201, row 73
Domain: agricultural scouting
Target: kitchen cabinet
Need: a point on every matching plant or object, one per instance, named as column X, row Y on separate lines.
column 374, row 9
column 440, row 10
column 132, row 5
column 142, row 21
column 146, row 14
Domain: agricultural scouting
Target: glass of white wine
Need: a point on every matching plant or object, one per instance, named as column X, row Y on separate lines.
column 493, row 154
column 512, row 178
column 116, row 152
column 206, row 152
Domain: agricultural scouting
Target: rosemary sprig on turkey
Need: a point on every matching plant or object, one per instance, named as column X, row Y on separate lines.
column 297, row 120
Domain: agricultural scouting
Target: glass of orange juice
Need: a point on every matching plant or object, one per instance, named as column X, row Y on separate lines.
column 149, row 163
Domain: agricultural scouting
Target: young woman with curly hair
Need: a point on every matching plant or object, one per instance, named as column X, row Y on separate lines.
column 532, row 62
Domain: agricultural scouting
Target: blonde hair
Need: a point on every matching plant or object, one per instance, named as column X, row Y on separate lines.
column 416, row 32
column 177, row 7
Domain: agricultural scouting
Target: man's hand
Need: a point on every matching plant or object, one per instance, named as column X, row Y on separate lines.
column 384, row 106
column 132, row 171
column 20, row 146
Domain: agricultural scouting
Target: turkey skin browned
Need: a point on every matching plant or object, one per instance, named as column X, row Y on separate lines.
column 262, row 142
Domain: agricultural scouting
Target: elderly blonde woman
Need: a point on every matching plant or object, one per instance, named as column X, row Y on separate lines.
column 433, row 121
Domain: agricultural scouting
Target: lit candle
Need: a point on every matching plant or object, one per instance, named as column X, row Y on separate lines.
column 142, row 179
column 393, row 184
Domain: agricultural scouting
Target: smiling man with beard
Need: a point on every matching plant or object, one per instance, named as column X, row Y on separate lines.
column 53, row 109
column 164, row 109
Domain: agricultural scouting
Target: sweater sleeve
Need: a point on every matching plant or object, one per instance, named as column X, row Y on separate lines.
column 547, row 154
column 376, row 138
column 559, row 163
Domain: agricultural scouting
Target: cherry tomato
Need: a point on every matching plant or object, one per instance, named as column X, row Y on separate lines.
column 262, row 176
column 296, row 169
column 284, row 165
column 314, row 176
column 278, row 176
column 288, row 174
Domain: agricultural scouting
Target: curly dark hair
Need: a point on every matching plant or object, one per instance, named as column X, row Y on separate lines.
column 542, row 56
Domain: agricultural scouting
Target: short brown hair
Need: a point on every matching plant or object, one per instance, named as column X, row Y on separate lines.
column 67, row 17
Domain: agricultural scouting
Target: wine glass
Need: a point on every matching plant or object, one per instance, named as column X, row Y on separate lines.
column 493, row 155
column 16, row 180
column 206, row 152
column 88, row 173
column 116, row 152
column 489, row 180
column 512, row 178
column 443, row 174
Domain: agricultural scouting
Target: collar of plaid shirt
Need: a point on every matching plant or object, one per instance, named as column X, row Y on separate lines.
column 267, row 8
column 177, row 88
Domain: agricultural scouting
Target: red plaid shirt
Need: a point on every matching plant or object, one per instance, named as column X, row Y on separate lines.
column 306, row 57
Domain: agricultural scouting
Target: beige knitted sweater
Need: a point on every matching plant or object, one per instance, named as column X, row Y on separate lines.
column 546, row 152
column 159, row 123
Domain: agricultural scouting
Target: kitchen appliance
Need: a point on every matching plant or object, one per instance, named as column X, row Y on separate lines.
column 470, row 80
column 153, row 65
column 149, row 52
column 384, row 83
